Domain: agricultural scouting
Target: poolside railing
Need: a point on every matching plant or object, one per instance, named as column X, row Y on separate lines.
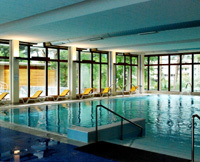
column 122, row 118
column 193, row 116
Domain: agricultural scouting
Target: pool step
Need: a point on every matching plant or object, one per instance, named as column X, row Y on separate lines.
column 123, row 153
column 105, row 132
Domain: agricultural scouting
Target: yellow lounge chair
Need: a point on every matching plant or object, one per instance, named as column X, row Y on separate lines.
column 133, row 89
column 2, row 96
column 87, row 92
column 35, row 97
column 106, row 91
column 63, row 94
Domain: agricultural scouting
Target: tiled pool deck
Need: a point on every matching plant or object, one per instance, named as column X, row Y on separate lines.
column 18, row 146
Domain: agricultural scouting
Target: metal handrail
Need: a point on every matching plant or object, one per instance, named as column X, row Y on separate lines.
column 111, row 87
column 122, row 118
column 193, row 116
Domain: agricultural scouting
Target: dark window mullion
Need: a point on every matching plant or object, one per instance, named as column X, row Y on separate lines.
column 58, row 71
column 158, row 84
column 148, row 75
column 192, row 73
column 29, row 77
column 169, row 74
column 46, row 72
column 79, row 74
column 92, row 71
column 180, row 87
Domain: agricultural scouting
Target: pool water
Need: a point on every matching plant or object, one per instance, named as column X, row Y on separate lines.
column 168, row 117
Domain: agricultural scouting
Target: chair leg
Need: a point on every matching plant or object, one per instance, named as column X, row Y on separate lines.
column 27, row 100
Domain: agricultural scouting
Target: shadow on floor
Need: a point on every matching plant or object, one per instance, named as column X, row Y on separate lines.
column 122, row 153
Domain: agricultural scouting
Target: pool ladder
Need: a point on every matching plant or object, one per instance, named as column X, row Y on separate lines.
column 193, row 116
column 122, row 118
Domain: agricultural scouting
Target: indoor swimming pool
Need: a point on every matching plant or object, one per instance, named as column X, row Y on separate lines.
column 168, row 118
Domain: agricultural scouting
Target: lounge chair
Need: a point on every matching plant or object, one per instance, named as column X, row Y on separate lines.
column 35, row 97
column 87, row 92
column 106, row 91
column 63, row 94
column 133, row 89
column 2, row 96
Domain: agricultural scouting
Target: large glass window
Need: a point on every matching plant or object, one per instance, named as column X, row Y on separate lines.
column 134, row 75
column 186, row 58
column 153, row 78
column 96, row 78
column 47, row 69
column 4, row 69
column 52, row 78
column 186, row 77
column 4, row 50
column 120, row 77
column 104, row 76
column 164, row 78
column 37, row 52
column 196, row 58
column 63, row 54
column 37, row 77
column 23, row 78
column 53, row 53
column 196, row 78
column 93, row 71
column 23, row 72
column 85, row 56
column 4, row 76
column 146, row 77
column 85, row 77
column 63, row 76
column 164, row 60
column 174, row 77
column 153, row 60
column 126, row 71
column 174, row 59
column 180, row 71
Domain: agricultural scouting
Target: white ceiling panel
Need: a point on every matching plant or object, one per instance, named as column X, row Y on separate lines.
column 116, row 23
column 17, row 9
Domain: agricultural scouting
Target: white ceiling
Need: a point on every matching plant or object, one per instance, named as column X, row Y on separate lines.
column 105, row 24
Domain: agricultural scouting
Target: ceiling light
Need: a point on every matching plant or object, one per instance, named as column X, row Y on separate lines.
column 96, row 39
column 146, row 33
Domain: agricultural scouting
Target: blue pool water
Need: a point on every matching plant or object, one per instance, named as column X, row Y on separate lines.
column 168, row 117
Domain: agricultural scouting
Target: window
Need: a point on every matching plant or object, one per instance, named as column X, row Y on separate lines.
column 175, row 77
column 53, row 78
column 4, row 69
column 186, row 78
column 4, row 50
column 126, row 71
column 153, row 78
column 92, row 71
column 196, row 76
column 23, row 72
column 164, row 78
column 4, row 76
column 47, row 69
column 37, row 77
column 180, row 71
column 37, row 52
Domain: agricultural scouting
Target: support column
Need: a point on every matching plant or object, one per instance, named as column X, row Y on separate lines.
column 141, row 73
column 72, row 71
column 14, row 71
column 112, row 71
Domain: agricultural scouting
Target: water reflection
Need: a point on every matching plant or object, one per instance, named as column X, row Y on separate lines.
column 165, row 115
column 41, row 149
